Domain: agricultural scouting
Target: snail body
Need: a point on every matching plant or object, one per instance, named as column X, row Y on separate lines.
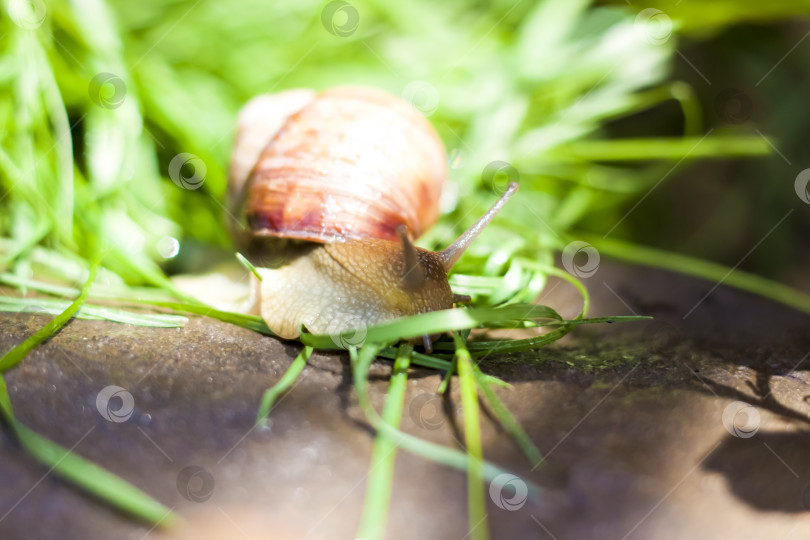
column 354, row 172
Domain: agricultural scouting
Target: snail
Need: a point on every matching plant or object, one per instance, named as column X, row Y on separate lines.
column 337, row 184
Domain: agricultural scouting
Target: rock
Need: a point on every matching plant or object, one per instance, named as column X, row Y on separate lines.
column 637, row 422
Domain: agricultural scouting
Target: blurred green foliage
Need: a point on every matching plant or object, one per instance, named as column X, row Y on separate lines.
column 100, row 97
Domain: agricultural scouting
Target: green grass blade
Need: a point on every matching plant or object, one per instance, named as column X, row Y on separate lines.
column 91, row 312
column 289, row 377
column 248, row 265
column 63, row 462
column 251, row 322
column 93, row 479
column 692, row 266
column 418, row 359
column 15, row 355
column 437, row 322
column 507, row 419
column 381, row 473
column 436, row 453
column 671, row 149
column 447, row 376
column 476, row 502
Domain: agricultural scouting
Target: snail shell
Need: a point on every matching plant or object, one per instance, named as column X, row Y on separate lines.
column 347, row 163
column 356, row 172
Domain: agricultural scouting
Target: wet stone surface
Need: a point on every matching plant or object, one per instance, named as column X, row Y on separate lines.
column 692, row 427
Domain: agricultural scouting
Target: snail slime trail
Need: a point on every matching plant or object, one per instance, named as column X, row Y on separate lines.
column 333, row 187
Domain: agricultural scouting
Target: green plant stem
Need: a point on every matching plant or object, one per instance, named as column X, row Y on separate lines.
column 15, row 356
column 434, row 452
column 507, row 419
column 676, row 148
column 684, row 264
column 82, row 473
column 476, row 503
column 381, row 474
column 289, row 377
column 447, row 376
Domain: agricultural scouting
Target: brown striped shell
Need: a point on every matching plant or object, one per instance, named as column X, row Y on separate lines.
column 347, row 163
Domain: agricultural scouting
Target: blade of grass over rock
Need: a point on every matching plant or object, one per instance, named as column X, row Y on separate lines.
column 717, row 273
column 91, row 312
column 424, row 360
column 419, row 359
column 476, row 504
column 507, row 419
column 93, row 479
column 15, row 356
column 440, row 321
column 381, row 471
column 442, row 455
column 289, row 377
column 447, row 376
column 251, row 322
column 565, row 276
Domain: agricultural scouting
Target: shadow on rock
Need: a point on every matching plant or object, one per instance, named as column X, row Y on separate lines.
column 769, row 471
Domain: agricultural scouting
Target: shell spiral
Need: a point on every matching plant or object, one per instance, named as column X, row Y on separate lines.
column 347, row 163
